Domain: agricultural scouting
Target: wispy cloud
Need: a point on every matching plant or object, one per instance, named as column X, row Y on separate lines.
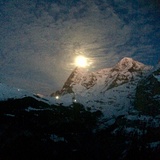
column 39, row 39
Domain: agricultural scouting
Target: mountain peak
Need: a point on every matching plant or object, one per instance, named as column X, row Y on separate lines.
column 110, row 89
column 126, row 60
column 83, row 82
column 74, row 78
column 129, row 64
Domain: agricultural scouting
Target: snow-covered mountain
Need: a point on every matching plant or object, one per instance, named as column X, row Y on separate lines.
column 30, row 123
column 111, row 90
column 125, row 71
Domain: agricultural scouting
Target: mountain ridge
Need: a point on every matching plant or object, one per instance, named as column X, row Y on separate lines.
column 112, row 90
column 124, row 71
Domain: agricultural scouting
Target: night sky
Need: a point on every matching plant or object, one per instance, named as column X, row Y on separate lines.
column 39, row 39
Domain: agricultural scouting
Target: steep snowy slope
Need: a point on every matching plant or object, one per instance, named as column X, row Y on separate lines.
column 111, row 90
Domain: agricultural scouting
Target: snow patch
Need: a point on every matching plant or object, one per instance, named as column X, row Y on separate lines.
column 9, row 115
column 56, row 138
column 34, row 109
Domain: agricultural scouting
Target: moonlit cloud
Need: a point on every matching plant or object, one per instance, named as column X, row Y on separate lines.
column 40, row 39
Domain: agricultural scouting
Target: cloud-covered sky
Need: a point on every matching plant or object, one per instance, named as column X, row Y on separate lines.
column 39, row 39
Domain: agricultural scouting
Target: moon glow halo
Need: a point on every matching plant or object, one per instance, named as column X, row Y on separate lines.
column 81, row 61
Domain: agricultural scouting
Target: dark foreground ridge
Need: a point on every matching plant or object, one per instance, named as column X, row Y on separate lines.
column 32, row 129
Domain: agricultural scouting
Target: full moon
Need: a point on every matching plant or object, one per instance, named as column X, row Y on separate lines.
column 81, row 61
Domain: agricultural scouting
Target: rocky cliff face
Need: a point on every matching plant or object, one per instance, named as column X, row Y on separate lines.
column 125, row 71
column 148, row 93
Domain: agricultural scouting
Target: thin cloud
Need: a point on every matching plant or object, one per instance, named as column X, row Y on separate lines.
column 39, row 40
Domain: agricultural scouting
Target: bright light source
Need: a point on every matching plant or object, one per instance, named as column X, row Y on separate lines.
column 57, row 97
column 81, row 61
column 75, row 100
